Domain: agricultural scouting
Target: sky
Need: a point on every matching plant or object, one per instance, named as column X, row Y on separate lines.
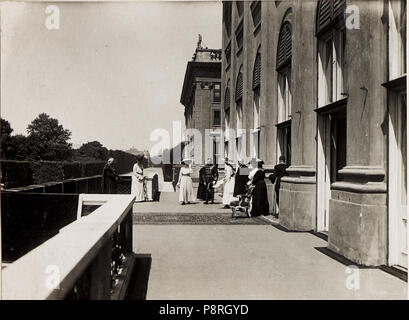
column 112, row 72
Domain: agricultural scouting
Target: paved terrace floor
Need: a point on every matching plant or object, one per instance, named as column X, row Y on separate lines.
column 204, row 259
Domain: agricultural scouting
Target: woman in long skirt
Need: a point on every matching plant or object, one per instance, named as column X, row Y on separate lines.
column 201, row 190
column 259, row 198
column 138, row 181
column 185, row 183
column 228, row 183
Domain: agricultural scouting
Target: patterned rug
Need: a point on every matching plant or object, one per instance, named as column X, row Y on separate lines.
column 196, row 218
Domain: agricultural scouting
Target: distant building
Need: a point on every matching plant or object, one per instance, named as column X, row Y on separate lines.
column 331, row 97
column 201, row 96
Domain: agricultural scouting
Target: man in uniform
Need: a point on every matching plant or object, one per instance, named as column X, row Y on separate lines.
column 210, row 177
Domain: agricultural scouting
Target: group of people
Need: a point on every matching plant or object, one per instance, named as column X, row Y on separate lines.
column 110, row 179
column 247, row 178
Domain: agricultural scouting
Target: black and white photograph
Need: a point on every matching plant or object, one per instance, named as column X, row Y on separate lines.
column 204, row 151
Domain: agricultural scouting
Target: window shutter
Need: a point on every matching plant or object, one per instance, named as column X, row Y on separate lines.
column 328, row 11
column 257, row 71
column 284, row 48
column 227, row 100
column 339, row 6
column 324, row 13
column 239, row 86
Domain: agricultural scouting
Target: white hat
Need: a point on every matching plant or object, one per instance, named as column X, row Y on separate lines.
column 187, row 160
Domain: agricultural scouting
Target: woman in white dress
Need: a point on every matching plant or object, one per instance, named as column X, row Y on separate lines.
column 138, row 181
column 185, row 183
column 228, row 183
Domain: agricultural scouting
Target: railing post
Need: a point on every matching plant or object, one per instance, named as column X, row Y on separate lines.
column 128, row 224
column 100, row 282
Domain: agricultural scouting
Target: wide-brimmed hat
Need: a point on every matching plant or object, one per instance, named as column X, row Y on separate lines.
column 186, row 160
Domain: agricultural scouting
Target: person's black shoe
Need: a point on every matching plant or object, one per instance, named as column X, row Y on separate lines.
column 206, row 202
column 226, row 206
column 182, row 203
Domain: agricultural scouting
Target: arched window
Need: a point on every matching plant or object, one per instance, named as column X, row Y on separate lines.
column 284, row 96
column 239, row 86
column 284, row 45
column 257, row 71
column 255, row 143
column 331, row 51
column 284, row 55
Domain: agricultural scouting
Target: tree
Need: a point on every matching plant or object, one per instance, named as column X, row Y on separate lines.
column 20, row 147
column 49, row 130
column 6, row 131
column 93, row 150
column 50, row 137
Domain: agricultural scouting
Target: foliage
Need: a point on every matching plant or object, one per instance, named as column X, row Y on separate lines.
column 6, row 131
column 50, row 139
column 93, row 150
column 47, row 171
column 45, row 155
column 48, row 130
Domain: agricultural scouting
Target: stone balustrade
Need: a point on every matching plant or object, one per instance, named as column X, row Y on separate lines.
column 83, row 260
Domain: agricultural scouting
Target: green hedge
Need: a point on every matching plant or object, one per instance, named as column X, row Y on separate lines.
column 47, row 171
column 16, row 173
column 23, row 173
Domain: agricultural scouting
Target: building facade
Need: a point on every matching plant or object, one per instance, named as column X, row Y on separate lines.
column 201, row 97
column 323, row 82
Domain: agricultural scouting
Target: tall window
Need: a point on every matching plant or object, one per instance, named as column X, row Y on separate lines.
column 239, row 37
column 331, row 67
column 397, row 38
column 227, row 16
column 216, row 118
column 227, row 109
column 239, row 112
column 284, row 97
column 256, row 12
column 284, row 54
column 238, row 99
column 256, row 105
column 284, row 94
column 331, row 36
column 239, row 5
column 239, row 117
column 216, row 93
column 331, row 52
column 227, row 54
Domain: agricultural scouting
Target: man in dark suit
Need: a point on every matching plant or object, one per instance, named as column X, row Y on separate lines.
column 109, row 177
column 280, row 170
